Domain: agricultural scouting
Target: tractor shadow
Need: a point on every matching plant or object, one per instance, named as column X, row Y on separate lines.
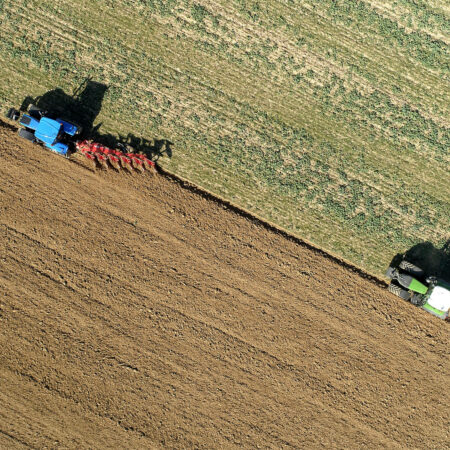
column 434, row 261
column 82, row 108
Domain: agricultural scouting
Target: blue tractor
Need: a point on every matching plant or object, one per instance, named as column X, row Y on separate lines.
column 40, row 127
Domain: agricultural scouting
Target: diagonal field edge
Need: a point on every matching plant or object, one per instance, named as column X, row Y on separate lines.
column 254, row 218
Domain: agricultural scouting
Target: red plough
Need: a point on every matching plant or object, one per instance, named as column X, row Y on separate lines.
column 106, row 156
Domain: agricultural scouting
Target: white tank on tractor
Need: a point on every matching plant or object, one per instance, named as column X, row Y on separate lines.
column 411, row 283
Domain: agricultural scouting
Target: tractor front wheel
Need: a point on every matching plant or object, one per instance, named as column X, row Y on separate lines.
column 399, row 292
column 28, row 135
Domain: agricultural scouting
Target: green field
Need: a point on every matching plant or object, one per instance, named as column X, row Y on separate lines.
column 329, row 118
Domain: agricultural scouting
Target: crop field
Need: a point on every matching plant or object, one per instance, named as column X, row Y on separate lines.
column 328, row 118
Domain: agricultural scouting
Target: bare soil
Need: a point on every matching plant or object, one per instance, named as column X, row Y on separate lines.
column 137, row 313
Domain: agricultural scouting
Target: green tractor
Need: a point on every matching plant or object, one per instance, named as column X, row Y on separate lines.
column 410, row 283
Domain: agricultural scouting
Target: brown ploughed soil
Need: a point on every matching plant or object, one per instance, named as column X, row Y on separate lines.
column 136, row 313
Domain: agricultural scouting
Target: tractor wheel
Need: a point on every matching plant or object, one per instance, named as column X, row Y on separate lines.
column 399, row 292
column 391, row 272
column 28, row 135
column 418, row 299
column 35, row 112
column 412, row 269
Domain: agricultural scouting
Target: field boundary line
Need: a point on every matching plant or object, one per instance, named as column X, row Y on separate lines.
column 271, row 226
column 254, row 218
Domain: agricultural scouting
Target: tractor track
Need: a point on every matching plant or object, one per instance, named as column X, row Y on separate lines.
column 145, row 312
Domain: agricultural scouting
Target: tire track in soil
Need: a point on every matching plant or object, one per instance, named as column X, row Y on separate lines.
column 196, row 327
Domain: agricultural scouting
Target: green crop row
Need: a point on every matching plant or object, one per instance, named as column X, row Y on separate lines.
column 431, row 52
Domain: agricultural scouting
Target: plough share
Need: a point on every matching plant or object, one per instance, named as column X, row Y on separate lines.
column 106, row 157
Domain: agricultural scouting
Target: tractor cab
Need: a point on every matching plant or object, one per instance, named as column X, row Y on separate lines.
column 48, row 131
column 54, row 134
column 51, row 133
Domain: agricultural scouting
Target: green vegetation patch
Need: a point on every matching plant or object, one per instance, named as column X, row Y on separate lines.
column 329, row 118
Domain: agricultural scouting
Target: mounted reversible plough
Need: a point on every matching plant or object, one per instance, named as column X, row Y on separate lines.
column 118, row 159
column 58, row 135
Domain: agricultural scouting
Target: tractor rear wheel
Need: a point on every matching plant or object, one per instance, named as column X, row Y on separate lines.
column 412, row 269
column 28, row 135
column 399, row 292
